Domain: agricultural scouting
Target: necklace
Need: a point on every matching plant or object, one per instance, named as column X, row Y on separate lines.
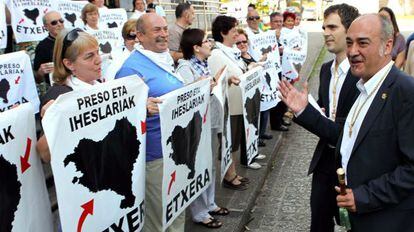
column 356, row 112
column 335, row 85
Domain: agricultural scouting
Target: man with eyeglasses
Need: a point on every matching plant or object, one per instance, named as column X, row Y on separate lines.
column 42, row 63
column 253, row 21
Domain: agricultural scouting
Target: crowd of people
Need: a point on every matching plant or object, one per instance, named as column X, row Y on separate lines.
column 374, row 135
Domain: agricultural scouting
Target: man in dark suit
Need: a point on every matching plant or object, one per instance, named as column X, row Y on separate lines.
column 337, row 92
column 376, row 146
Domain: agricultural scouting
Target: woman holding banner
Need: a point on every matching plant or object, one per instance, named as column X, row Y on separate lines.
column 77, row 65
column 196, row 49
column 225, row 34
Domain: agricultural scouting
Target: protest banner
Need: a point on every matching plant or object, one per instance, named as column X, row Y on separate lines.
column 112, row 19
column 108, row 40
column 295, row 44
column 186, row 147
column 220, row 92
column 265, row 43
column 71, row 12
column 96, row 137
column 27, row 17
column 250, row 83
column 25, row 204
column 3, row 26
column 17, row 84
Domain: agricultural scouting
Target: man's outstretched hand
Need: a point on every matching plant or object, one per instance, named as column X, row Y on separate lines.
column 296, row 100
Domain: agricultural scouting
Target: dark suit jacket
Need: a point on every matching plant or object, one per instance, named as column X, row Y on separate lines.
column 313, row 121
column 381, row 166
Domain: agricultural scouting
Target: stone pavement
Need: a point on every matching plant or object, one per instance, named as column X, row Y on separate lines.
column 284, row 200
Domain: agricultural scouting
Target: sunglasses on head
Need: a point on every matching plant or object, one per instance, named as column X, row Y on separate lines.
column 55, row 22
column 131, row 36
column 253, row 18
column 241, row 42
column 69, row 38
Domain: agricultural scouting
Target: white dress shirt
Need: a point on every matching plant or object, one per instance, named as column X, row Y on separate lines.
column 341, row 75
column 365, row 89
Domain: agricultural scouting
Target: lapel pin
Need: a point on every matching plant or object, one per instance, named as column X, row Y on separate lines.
column 384, row 96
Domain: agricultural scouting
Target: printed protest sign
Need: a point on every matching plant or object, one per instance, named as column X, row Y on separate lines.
column 220, row 92
column 265, row 43
column 186, row 147
column 96, row 137
column 3, row 26
column 25, row 202
column 250, row 83
column 27, row 17
column 108, row 40
column 113, row 19
column 295, row 43
column 71, row 12
column 17, row 84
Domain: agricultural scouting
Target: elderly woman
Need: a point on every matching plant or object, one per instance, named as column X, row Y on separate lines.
column 139, row 8
column 242, row 42
column 90, row 17
column 225, row 34
column 398, row 50
column 77, row 64
column 196, row 49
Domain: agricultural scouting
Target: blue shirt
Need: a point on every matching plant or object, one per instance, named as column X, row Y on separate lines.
column 159, row 82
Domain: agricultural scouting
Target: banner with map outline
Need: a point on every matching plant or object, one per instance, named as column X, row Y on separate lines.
column 295, row 43
column 96, row 137
column 17, row 84
column 25, row 202
column 186, row 146
column 250, row 84
column 71, row 12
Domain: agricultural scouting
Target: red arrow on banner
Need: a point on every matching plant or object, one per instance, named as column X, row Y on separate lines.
column 171, row 181
column 143, row 127
column 24, row 160
column 44, row 12
column 87, row 209
column 205, row 115
column 21, row 20
column 17, row 80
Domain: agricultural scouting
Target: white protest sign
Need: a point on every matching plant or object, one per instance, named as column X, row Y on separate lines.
column 71, row 12
column 3, row 26
column 25, row 202
column 250, row 83
column 220, row 92
column 295, row 43
column 96, row 137
column 17, row 84
column 186, row 146
column 113, row 19
column 27, row 17
column 108, row 40
column 266, row 43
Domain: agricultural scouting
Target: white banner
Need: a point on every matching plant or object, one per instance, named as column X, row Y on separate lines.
column 25, row 202
column 250, row 84
column 17, row 84
column 220, row 92
column 71, row 12
column 27, row 17
column 108, row 40
column 186, row 146
column 295, row 43
column 3, row 26
column 96, row 137
column 266, row 43
column 113, row 19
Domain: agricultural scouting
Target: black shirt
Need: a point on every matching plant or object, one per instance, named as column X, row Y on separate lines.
column 44, row 54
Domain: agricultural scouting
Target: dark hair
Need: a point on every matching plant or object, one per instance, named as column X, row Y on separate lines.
column 191, row 37
column 222, row 24
column 274, row 14
column 252, row 6
column 288, row 14
column 392, row 16
column 181, row 8
column 346, row 12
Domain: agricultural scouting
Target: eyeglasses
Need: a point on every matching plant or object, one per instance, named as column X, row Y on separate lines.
column 252, row 18
column 55, row 22
column 68, row 40
column 241, row 42
column 131, row 36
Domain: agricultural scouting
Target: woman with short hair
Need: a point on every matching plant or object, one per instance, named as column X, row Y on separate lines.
column 90, row 17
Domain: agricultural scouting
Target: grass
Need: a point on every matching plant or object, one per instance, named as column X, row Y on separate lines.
column 318, row 62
